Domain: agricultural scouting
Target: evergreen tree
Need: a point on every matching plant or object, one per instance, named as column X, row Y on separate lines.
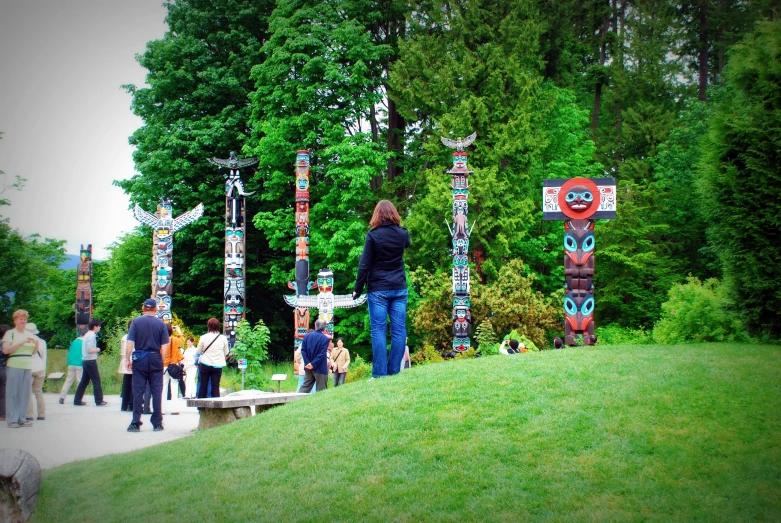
column 741, row 177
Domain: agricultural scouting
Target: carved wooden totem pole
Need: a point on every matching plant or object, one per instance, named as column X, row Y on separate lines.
column 83, row 303
column 164, row 226
column 579, row 201
column 235, row 237
column 326, row 301
column 460, row 232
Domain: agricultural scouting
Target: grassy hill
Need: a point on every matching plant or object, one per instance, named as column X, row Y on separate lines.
column 611, row 433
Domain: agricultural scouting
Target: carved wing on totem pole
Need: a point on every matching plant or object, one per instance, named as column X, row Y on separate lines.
column 346, row 301
column 187, row 218
column 147, row 218
column 238, row 164
column 309, row 302
column 459, row 144
column 236, row 182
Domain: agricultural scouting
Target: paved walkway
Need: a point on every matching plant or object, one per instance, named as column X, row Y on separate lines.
column 71, row 433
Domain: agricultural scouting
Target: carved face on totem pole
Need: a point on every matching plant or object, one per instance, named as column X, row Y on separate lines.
column 460, row 275
column 325, row 281
column 579, row 310
column 459, row 161
column 462, row 319
column 85, row 254
column 302, row 219
column 578, row 198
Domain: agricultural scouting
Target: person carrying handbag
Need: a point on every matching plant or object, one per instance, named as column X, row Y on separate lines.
column 213, row 349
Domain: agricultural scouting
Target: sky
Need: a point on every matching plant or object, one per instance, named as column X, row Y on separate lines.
column 65, row 118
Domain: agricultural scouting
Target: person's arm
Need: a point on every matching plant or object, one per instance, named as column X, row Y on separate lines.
column 93, row 345
column 199, row 348
column 346, row 363
column 164, row 348
column 367, row 256
column 9, row 347
column 129, row 345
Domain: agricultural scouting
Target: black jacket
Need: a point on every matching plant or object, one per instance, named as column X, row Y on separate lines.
column 382, row 263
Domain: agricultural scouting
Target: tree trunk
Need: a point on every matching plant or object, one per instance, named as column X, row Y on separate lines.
column 396, row 126
column 598, row 89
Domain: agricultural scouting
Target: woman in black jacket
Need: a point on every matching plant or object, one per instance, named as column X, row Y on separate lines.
column 381, row 269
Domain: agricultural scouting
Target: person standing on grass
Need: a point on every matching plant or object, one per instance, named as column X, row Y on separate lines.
column 3, row 362
column 147, row 345
column 19, row 347
column 89, row 363
column 213, row 349
column 74, row 367
column 174, row 356
column 39, row 374
column 381, row 269
column 127, row 375
column 341, row 360
column 314, row 352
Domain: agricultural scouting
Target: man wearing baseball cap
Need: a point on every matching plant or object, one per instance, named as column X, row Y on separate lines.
column 146, row 348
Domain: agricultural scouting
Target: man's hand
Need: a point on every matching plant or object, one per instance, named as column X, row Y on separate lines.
column 308, row 366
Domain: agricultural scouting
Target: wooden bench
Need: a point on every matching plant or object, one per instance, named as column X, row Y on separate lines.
column 219, row 411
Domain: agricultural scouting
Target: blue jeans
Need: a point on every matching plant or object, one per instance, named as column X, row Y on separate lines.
column 381, row 305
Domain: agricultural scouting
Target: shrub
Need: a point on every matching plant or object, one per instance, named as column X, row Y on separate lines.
column 467, row 354
column 359, row 370
column 426, row 355
column 251, row 344
column 697, row 312
column 618, row 335
column 486, row 338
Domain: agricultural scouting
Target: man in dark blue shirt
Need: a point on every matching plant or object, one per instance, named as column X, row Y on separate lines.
column 148, row 335
column 314, row 351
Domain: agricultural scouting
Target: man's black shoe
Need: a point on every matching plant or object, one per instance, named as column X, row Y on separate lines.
column 147, row 412
column 134, row 427
column 62, row 401
column 80, row 404
column 158, row 428
column 101, row 404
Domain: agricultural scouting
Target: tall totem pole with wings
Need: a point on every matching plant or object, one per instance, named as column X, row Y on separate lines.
column 235, row 238
column 164, row 226
column 325, row 301
column 460, row 232
column 578, row 202
column 83, row 303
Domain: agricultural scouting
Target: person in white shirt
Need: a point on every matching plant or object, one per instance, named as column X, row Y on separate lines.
column 127, row 376
column 213, row 348
column 39, row 375
column 190, row 369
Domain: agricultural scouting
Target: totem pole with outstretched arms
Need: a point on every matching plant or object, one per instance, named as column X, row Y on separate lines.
column 460, row 232
column 235, row 242
column 83, row 303
column 579, row 201
column 164, row 226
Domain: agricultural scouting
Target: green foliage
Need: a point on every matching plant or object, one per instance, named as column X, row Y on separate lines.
column 741, row 177
column 485, row 337
column 697, row 312
column 112, row 334
column 428, row 354
column 252, row 344
column 614, row 334
column 468, row 354
column 359, row 369
column 520, row 338
column 432, row 319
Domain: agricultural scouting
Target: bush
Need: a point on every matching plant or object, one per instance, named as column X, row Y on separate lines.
column 486, row 338
column 359, row 370
column 428, row 354
column 251, row 344
column 617, row 335
column 697, row 312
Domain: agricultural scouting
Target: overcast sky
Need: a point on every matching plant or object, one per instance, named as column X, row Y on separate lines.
column 65, row 119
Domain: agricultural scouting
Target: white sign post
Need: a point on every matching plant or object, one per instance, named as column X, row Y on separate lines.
column 242, row 368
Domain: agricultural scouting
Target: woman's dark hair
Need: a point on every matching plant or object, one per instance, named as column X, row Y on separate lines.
column 170, row 328
column 191, row 339
column 94, row 322
column 213, row 325
column 514, row 344
column 339, row 339
column 384, row 211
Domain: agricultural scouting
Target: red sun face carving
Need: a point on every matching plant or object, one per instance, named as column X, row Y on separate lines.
column 579, row 198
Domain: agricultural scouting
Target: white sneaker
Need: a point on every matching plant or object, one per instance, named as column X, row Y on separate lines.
column 370, row 379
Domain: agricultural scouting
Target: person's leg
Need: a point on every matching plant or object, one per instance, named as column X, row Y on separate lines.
column 300, row 382
column 336, row 379
column 203, row 380
column 378, row 312
column 166, row 383
column 37, row 394
column 91, row 368
column 182, row 388
column 321, row 380
column 71, row 376
column 13, row 392
column 397, row 310
column 156, row 383
column 127, row 392
column 27, row 384
column 139, row 388
column 147, row 397
column 83, row 382
column 342, row 376
column 2, row 393
column 309, row 381
column 215, row 379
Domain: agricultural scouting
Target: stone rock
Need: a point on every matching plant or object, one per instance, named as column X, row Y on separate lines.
column 20, row 482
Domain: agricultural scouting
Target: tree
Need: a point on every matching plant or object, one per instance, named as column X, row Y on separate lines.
column 741, row 178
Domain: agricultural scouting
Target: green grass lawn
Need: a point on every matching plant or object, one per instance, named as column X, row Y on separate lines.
column 663, row 433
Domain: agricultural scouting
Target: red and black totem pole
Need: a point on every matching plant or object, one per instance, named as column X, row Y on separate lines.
column 579, row 201
column 83, row 303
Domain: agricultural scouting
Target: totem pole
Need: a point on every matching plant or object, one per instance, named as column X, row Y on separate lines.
column 460, row 232
column 83, row 303
column 326, row 301
column 164, row 226
column 579, row 201
column 235, row 237
column 301, row 285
